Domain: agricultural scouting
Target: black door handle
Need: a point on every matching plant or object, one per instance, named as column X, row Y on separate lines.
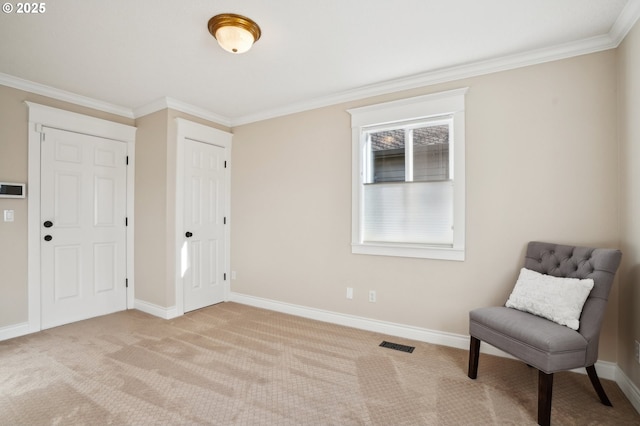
column 188, row 234
column 48, row 238
column 48, row 224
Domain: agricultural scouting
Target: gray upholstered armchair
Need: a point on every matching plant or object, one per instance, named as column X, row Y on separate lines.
column 544, row 344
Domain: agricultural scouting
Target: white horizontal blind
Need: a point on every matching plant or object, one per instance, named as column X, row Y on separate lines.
column 415, row 213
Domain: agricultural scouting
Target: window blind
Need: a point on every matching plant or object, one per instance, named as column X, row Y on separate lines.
column 411, row 212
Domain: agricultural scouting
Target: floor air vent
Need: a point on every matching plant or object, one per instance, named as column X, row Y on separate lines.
column 397, row 346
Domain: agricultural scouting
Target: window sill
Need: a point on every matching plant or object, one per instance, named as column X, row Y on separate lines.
column 423, row 252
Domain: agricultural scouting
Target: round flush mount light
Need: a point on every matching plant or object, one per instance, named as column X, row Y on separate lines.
column 234, row 33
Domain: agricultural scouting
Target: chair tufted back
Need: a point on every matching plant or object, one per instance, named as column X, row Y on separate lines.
column 579, row 262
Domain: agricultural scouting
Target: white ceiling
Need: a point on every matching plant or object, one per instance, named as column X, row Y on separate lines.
column 136, row 55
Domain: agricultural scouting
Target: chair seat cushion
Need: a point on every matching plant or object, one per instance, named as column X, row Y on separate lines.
column 541, row 343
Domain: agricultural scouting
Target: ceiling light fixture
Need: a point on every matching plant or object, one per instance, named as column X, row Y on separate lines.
column 235, row 33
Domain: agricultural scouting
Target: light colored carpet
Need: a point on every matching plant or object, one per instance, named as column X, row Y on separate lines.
column 231, row 364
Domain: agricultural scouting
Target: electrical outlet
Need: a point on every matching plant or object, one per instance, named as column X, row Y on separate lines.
column 349, row 292
column 372, row 295
column 8, row 215
column 233, row 275
column 637, row 351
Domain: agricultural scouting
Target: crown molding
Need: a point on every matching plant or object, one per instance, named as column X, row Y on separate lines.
column 177, row 105
column 74, row 98
column 150, row 108
column 625, row 22
column 63, row 95
column 459, row 72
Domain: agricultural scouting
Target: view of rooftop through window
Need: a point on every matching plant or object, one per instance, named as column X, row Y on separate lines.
column 410, row 154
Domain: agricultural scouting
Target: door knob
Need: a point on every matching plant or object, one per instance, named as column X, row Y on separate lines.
column 48, row 238
column 188, row 234
column 48, row 224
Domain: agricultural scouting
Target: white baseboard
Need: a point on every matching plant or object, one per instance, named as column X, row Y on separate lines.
column 384, row 327
column 15, row 330
column 22, row 329
column 155, row 310
column 606, row 370
column 630, row 390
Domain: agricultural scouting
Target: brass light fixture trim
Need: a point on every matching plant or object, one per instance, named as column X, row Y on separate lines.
column 235, row 21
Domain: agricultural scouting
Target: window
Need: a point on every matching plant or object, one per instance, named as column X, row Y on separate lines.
column 408, row 177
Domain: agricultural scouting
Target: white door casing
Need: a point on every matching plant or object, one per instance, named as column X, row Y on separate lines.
column 40, row 118
column 203, row 259
column 83, row 208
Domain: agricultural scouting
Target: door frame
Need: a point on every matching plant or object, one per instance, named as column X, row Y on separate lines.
column 44, row 116
column 200, row 133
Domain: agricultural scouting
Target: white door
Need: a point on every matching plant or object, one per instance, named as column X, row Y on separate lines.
column 204, row 222
column 83, row 234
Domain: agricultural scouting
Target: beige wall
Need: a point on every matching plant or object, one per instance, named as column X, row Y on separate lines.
column 13, row 168
column 151, row 275
column 541, row 164
column 629, row 107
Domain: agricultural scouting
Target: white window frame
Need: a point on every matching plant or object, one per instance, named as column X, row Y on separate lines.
column 450, row 103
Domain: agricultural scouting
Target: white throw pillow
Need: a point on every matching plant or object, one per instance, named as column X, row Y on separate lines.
column 557, row 299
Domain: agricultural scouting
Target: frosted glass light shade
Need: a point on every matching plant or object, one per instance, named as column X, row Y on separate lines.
column 235, row 33
column 234, row 39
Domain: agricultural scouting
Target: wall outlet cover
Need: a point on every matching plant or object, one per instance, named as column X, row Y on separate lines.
column 8, row 216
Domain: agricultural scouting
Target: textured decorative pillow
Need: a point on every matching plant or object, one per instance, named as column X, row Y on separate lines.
column 557, row 299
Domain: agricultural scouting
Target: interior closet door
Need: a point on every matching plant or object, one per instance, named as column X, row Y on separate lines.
column 204, row 222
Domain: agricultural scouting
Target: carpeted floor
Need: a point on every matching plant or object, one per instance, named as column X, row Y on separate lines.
column 231, row 364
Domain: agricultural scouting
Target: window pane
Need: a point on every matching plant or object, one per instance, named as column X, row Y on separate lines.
column 431, row 153
column 387, row 151
column 420, row 212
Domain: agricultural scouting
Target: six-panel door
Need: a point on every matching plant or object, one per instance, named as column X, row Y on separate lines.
column 83, row 212
column 204, row 209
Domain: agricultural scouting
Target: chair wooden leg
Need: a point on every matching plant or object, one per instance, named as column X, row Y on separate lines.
column 595, row 381
column 474, row 354
column 545, row 387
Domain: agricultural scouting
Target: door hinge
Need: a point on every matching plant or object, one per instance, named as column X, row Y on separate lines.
column 127, row 160
column 225, row 276
column 224, row 222
column 225, row 164
column 126, row 282
column 126, row 221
